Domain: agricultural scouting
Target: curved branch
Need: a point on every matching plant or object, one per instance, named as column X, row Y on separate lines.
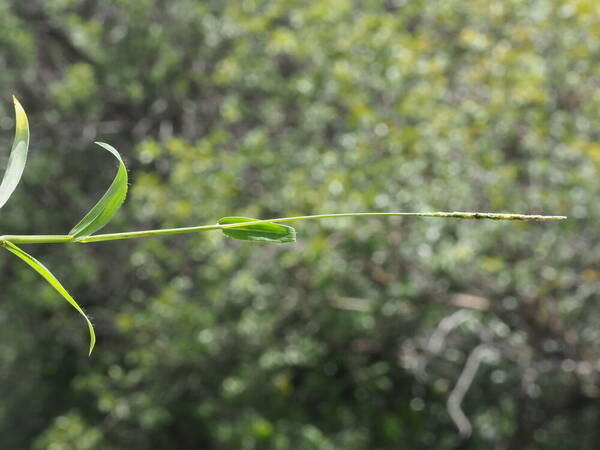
column 461, row 388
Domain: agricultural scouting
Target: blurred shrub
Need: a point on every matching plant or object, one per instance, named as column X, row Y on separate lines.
column 269, row 108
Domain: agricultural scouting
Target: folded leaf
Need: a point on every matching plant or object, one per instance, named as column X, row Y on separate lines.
column 44, row 272
column 18, row 155
column 265, row 232
column 108, row 205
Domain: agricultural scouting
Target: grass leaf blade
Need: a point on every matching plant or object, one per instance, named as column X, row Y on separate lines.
column 18, row 155
column 263, row 232
column 51, row 279
column 108, row 205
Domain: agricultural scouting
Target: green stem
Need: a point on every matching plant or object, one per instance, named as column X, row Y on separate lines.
column 27, row 239
column 36, row 239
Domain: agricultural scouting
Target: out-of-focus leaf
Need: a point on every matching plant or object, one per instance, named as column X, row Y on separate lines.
column 265, row 232
column 44, row 272
column 18, row 155
column 108, row 205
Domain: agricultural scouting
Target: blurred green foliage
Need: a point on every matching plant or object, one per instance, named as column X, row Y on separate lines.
column 266, row 108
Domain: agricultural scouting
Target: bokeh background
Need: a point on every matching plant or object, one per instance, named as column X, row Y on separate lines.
column 366, row 333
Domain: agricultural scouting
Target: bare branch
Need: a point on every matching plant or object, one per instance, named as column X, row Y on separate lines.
column 470, row 301
column 461, row 388
column 446, row 325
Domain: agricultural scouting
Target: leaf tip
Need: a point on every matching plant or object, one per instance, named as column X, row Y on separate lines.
column 92, row 335
column 21, row 117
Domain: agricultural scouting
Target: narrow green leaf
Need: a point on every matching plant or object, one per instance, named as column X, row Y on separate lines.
column 18, row 154
column 108, row 205
column 265, row 232
column 44, row 272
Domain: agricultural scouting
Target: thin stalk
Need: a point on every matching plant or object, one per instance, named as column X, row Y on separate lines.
column 27, row 239
column 36, row 239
